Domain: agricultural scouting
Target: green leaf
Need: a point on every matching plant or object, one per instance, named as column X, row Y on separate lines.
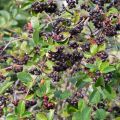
column 81, row 104
column 24, row 77
column 86, row 113
column 29, row 97
column 95, row 97
column 21, row 108
column 108, row 69
column 101, row 47
column 99, row 82
column 36, row 38
column 112, row 10
column 35, row 23
column 94, row 49
column 109, row 93
column 91, row 66
column 65, row 94
column 11, row 117
column 88, row 79
column 103, row 65
column 41, row 116
column 26, row 114
column 77, row 116
column 87, row 55
column 4, row 86
column 62, row 95
column 41, row 91
column 118, row 118
column 57, row 93
column 51, row 115
column 100, row 114
column 5, row 14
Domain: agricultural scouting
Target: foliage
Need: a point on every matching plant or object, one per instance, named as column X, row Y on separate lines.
column 58, row 63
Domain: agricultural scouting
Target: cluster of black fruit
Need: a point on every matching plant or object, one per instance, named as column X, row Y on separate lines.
column 97, row 17
column 35, row 71
column 102, row 55
column 3, row 100
column 37, row 50
column 72, row 3
column 91, row 60
column 85, row 47
column 23, row 61
column 64, row 60
column 48, row 105
column 77, row 29
column 85, row 7
column 109, row 30
column 75, row 98
column 73, row 44
column 44, row 6
column 60, row 25
column 21, row 88
column 118, row 26
column 55, row 76
column 100, row 40
column 100, row 2
column 107, row 77
column 28, row 103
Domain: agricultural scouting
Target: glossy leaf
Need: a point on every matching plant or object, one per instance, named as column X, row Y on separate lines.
column 41, row 116
column 95, row 97
column 24, row 77
column 4, row 86
column 100, row 114
column 21, row 108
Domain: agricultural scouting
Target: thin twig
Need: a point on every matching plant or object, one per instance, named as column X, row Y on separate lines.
column 9, row 44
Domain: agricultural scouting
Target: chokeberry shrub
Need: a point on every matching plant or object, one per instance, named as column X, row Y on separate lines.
column 59, row 64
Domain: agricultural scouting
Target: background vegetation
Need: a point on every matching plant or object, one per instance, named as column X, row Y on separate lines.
column 59, row 62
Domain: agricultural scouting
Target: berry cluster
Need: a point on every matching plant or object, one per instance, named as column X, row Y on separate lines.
column 107, row 77
column 75, row 98
column 97, row 17
column 28, row 104
column 71, row 3
column 85, row 7
column 55, row 76
column 118, row 26
column 17, row 68
column 86, row 47
column 76, row 30
column 23, row 61
column 60, row 25
column 37, row 50
column 2, row 100
column 91, row 60
column 100, row 2
column 73, row 44
column 101, row 105
column 22, row 88
column 44, row 6
column 35, row 71
column 102, row 55
column 48, row 105
column 100, row 40
column 64, row 60
column 53, row 35
column 109, row 30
